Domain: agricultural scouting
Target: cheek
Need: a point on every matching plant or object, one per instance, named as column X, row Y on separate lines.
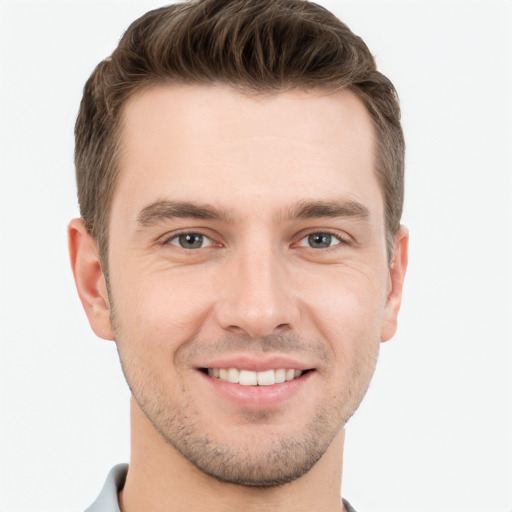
column 348, row 314
column 154, row 315
column 347, row 303
column 160, row 298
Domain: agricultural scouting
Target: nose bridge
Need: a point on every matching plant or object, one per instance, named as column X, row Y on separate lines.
column 257, row 298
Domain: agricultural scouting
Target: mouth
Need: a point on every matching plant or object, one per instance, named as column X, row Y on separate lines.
column 257, row 383
column 245, row 377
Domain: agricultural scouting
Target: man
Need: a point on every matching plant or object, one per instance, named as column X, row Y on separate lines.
column 240, row 179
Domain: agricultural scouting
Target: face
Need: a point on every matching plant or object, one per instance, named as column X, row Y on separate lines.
column 249, row 283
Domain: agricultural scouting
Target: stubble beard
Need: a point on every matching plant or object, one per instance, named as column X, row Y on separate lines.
column 270, row 461
column 273, row 460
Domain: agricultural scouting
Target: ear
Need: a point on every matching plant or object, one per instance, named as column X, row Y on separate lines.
column 396, row 281
column 89, row 279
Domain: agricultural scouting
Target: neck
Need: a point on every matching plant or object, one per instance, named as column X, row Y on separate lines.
column 160, row 479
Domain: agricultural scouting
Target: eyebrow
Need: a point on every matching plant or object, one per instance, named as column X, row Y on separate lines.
column 317, row 209
column 167, row 210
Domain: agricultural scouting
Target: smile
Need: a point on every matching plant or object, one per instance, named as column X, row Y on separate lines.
column 256, row 385
column 252, row 378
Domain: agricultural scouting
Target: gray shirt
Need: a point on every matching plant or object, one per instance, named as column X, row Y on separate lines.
column 107, row 500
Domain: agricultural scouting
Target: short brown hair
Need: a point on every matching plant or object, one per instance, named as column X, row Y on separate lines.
column 265, row 46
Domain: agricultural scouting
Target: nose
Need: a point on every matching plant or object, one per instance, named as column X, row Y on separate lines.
column 257, row 296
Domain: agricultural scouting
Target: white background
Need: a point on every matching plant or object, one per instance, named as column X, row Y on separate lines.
column 434, row 433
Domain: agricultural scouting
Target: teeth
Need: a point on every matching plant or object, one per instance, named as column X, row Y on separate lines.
column 250, row 378
column 233, row 375
column 280, row 376
column 266, row 378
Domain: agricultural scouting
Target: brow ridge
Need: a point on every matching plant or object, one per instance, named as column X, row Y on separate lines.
column 316, row 209
column 167, row 210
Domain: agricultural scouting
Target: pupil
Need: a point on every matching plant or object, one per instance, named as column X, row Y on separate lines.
column 191, row 241
column 320, row 240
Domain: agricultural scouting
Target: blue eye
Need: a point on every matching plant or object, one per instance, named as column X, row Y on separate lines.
column 190, row 241
column 320, row 241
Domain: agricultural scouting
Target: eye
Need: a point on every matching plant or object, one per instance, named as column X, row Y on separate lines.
column 190, row 241
column 319, row 241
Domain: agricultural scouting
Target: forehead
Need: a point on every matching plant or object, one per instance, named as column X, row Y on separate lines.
column 216, row 145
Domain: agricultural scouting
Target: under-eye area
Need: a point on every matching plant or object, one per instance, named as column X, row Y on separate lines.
column 253, row 378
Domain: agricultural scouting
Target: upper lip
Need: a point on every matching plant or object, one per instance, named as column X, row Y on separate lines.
column 257, row 363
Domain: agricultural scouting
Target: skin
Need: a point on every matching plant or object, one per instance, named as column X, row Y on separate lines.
column 237, row 171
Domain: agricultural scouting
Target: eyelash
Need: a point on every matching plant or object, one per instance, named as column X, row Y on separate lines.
column 168, row 240
column 337, row 236
column 341, row 240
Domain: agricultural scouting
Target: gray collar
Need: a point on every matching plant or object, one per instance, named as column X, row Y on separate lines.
column 107, row 500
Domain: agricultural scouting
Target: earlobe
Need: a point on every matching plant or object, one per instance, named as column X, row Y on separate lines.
column 89, row 279
column 397, row 271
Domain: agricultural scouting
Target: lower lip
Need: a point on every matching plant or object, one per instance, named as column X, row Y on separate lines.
column 257, row 397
